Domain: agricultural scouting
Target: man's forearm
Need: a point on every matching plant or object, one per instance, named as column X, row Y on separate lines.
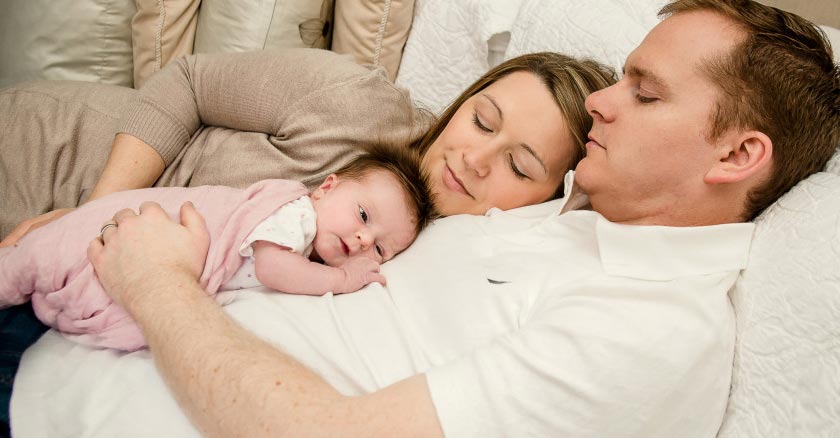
column 229, row 382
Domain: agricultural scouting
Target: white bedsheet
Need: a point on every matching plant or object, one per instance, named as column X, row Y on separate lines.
column 787, row 302
column 357, row 342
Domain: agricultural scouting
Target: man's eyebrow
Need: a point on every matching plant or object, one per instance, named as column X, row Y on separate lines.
column 534, row 154
column 493, row 101
column 644, row 74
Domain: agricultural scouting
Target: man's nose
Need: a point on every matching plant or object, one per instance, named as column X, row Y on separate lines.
column 597, row 104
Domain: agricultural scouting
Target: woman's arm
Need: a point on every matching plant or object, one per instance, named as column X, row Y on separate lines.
column 264, row 91
column 132, row 164
column 246, row 92
column 229, row 382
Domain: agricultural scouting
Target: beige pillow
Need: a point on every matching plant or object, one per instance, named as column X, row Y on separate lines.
column 373, row 31
column 236, row 25
column 77, row 40
column 161, row 31
column 819, row 11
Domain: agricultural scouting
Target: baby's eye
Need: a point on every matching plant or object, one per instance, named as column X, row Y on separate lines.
column 379, row 251
column 363, row 214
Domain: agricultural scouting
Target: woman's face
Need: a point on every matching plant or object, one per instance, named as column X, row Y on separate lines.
column 506, row 147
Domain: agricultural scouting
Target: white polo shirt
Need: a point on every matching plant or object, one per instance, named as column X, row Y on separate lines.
column 590, row 329
column 527, row 323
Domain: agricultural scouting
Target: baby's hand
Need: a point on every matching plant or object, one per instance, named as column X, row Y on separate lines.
column 358, row 272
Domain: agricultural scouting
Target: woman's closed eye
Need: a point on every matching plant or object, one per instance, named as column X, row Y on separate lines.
column 477, row 122
column 515, row 169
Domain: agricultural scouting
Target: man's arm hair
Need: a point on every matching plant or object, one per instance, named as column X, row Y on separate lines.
column 230, row 383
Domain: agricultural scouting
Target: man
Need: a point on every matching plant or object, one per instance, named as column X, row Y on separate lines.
column 702, row 133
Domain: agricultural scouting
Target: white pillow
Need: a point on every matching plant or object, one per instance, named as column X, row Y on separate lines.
column 447, row 47
column 786, row 375
column 833, row 165
column 603, row 30
column 834, row 38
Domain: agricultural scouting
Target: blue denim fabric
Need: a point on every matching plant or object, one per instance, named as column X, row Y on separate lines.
column 19, row 328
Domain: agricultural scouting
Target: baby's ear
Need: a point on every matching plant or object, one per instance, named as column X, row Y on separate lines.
column 329, row 183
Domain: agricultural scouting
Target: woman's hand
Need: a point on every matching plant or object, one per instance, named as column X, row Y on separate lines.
column 32, row 223
column 148, row 253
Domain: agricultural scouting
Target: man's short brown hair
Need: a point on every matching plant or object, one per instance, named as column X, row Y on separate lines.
column 404, row 163
column 781, row 80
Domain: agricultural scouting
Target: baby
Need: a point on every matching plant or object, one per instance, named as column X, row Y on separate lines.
column 272, row 233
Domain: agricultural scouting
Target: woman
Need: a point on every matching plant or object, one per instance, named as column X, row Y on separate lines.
column 222, row 119
column 233, row 119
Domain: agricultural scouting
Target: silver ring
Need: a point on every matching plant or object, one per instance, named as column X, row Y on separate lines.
column 105, row 227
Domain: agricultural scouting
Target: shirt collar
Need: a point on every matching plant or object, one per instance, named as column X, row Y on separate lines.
column 663, row 253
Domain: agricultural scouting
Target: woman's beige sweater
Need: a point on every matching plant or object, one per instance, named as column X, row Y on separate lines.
column 228, row 119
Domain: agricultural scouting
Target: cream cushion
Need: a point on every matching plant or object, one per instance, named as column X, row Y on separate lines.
column 76, row 40
column 161, row 31
column 819, row 11
column 373, row 31
column 238, row 26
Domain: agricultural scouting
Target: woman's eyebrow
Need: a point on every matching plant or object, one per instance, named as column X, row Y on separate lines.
column 493, row 101
column 534, row 154
column 525, row 146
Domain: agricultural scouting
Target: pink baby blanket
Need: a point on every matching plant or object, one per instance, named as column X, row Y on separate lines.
column 50, row 265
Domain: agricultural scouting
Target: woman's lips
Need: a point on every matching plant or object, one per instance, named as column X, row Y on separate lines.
column 453, row 183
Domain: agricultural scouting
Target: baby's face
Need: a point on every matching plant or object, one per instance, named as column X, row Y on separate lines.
column 368, row 218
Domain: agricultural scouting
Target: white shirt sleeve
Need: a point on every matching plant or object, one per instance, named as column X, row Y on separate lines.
column 292, row 226
column 582, row 367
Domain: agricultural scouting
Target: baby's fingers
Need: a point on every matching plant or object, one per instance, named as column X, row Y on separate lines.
column 375, row 277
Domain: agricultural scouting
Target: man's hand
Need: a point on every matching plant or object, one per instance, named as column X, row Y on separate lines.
column 359, row 272
column 32, row 223
column 149, row 252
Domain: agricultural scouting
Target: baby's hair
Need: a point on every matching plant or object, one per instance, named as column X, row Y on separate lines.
column 404, row 163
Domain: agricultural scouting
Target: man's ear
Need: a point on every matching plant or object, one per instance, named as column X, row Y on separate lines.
column 741, row 157
column 329, row 183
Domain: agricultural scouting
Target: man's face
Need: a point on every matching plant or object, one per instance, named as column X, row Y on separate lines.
column 650, row 148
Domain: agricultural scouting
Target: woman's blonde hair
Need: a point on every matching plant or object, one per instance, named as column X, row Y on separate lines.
column 568, row 79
